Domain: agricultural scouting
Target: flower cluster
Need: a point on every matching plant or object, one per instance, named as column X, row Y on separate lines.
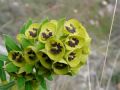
column 57, row 47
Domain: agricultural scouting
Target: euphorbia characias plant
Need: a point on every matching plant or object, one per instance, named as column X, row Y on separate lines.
column 51, row 47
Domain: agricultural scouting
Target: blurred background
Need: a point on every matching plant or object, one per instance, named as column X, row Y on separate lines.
column 95, row 15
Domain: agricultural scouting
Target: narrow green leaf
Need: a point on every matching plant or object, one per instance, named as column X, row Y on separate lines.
column 1, row 64
column 2, row 75
column 7, row 48
column 25, row 26
column 60, row 27
column 40, row 46
column 10, row 67
column 27, row 68
column 42, row 82
column 28, row 86
column 43, row 22
column 22, row 30
column 61, row 23
column 3, row 57
column 7, row 86
column 25, row 43
column 10, row 43
column 20, row 82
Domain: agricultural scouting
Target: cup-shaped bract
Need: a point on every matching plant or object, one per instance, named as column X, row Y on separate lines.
column 30, row 54
column 61, row 67
column 73, row 27
column 75, row 70
column 73, row 57
column 17, row 58
column 32, row 31
column 74, row 42
column 55, row 49
column 44, row 60
column 47, row 31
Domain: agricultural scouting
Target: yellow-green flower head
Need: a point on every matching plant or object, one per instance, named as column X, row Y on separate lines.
column 74, row 41
column 30, row 55
column 73, row 57
column 60, row 67
column 55, row 49
column 32, row 31
column 45, row 60
column 47, row 31
column 17, row 58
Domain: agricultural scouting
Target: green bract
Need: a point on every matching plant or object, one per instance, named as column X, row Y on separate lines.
column 45, row 60
column 16, row 57
column 55, row 49
column 47, row 31
column 74, row 42
column 60, row 67
column 31, row 32
column 50, row 47
column 73, row 57
column 30, row 55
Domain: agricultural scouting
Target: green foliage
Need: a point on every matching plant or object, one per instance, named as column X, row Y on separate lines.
column 10, row 43
column 21, row 83
column 28, row 86
column 2, row 75
column 42, row 82
column 27, row 68
column 7, row 86
column 25, row 26
column 3, row 58
column 10, row 67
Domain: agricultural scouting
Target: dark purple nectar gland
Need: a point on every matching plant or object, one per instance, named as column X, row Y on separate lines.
column 73, row 42
column 17, row 57
column 72, row 29
column 56, row 48
column 32, row 55
column 33, row 34
column 59, row 65
column 47, row 34
column 71, row 56
column 47, row 59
